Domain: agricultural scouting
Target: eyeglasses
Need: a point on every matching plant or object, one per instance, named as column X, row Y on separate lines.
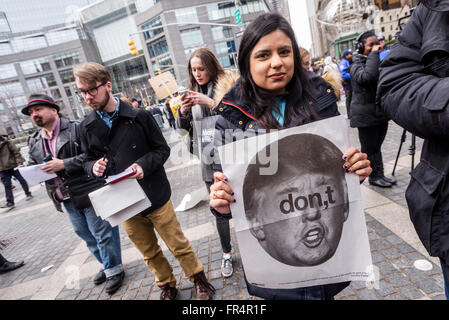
column 91, row 91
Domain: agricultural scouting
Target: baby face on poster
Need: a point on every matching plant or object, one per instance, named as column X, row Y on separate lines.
column 297, row 214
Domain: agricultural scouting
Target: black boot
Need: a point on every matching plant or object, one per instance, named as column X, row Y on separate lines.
column 391, row 180
column 7, row 266
column 377, row 176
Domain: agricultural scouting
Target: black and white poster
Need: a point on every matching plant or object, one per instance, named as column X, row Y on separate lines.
column 298, row 216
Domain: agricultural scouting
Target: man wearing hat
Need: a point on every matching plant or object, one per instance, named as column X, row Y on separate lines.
column 343, row 67
column 10, row 158
column 57, row 145
column 383, row 50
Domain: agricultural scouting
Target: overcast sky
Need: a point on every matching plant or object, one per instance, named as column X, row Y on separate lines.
column 300, row 22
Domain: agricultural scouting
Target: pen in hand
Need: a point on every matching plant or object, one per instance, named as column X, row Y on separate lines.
column 99, row 167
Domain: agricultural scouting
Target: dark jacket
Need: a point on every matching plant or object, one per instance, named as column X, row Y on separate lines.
column 134, row 137
column 235, row 115
column 364, row 77
column 10, row 156
column 415, row 97
column 68, row 149
column 168, row 112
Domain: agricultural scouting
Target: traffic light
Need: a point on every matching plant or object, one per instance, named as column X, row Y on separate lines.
column 132, row 47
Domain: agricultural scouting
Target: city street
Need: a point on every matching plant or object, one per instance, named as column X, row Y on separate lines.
column 58, row 265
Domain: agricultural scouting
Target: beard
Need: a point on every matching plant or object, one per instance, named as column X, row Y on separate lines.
column 102, row 104
column 39, row 122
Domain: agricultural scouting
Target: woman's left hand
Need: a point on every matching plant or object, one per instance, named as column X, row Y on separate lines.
column 199, row 98
column 357, row 162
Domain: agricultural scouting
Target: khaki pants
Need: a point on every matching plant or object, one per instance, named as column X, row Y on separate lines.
column 141, row 232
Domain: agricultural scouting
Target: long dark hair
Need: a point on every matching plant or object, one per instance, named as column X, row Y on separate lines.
column 301, row 106
column 209, row 61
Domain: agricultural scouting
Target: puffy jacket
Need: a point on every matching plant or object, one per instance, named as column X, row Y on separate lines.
column 10, row 156
column 68, row 149
column 414, row 93
column 134, row 137
column 235, row 115
column 364, row 77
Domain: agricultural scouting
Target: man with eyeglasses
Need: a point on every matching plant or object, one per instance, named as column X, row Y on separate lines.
column 57, row 145
column 119, row 137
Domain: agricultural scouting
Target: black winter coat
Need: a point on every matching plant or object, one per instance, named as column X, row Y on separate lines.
column 235, row 115
column 77, row 182
column 416, row 98
column 364, row 77
column 134, row 137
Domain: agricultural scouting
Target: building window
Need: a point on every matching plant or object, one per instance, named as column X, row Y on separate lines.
column 221, row 10
column 11, row 89
column 253, row 6
column 67, row 59
column 221, row 33
column 55, row 94
column 5, row 48
column 61, row 36
column 226, row 61
column 191, row 37
column 7, row 71
column 383, row 29
column 153, row 23
column 225, row 47
column 186, row 15
column 34, row 66
column 42, row 82
column 27, row 44
column 391, row 28
column 164, row 63
column 381, row 19
column 67, row 76
column 158, row 47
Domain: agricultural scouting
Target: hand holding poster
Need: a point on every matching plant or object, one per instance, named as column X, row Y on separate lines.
column 299, row 217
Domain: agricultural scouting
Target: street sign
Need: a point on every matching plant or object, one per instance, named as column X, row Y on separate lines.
column 237, row 16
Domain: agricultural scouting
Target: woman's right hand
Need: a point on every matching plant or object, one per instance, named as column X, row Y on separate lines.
column 221, row 194
column 186, row 103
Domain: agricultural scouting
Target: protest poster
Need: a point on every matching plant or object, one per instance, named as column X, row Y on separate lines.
column 298, row 216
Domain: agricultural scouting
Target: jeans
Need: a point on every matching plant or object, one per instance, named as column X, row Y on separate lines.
column 445, row 276
column 6, row 179
column 102, row 240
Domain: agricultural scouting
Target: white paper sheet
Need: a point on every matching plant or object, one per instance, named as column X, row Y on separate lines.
column 34, row 175
column 119, row 201
column 120, row 175
column 282, row 240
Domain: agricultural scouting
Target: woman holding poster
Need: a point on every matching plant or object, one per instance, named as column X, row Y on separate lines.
column 275, row 92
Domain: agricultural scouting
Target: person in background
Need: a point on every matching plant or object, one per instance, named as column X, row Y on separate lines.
column 197, row 107
column 383, row 50
column 169, row 114
column 10, row 159
column 305, row 59
column 372, row 125
column 343, row 67
column 329, row 65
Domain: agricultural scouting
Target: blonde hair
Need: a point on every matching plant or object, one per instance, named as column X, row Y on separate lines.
column 91, row 73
